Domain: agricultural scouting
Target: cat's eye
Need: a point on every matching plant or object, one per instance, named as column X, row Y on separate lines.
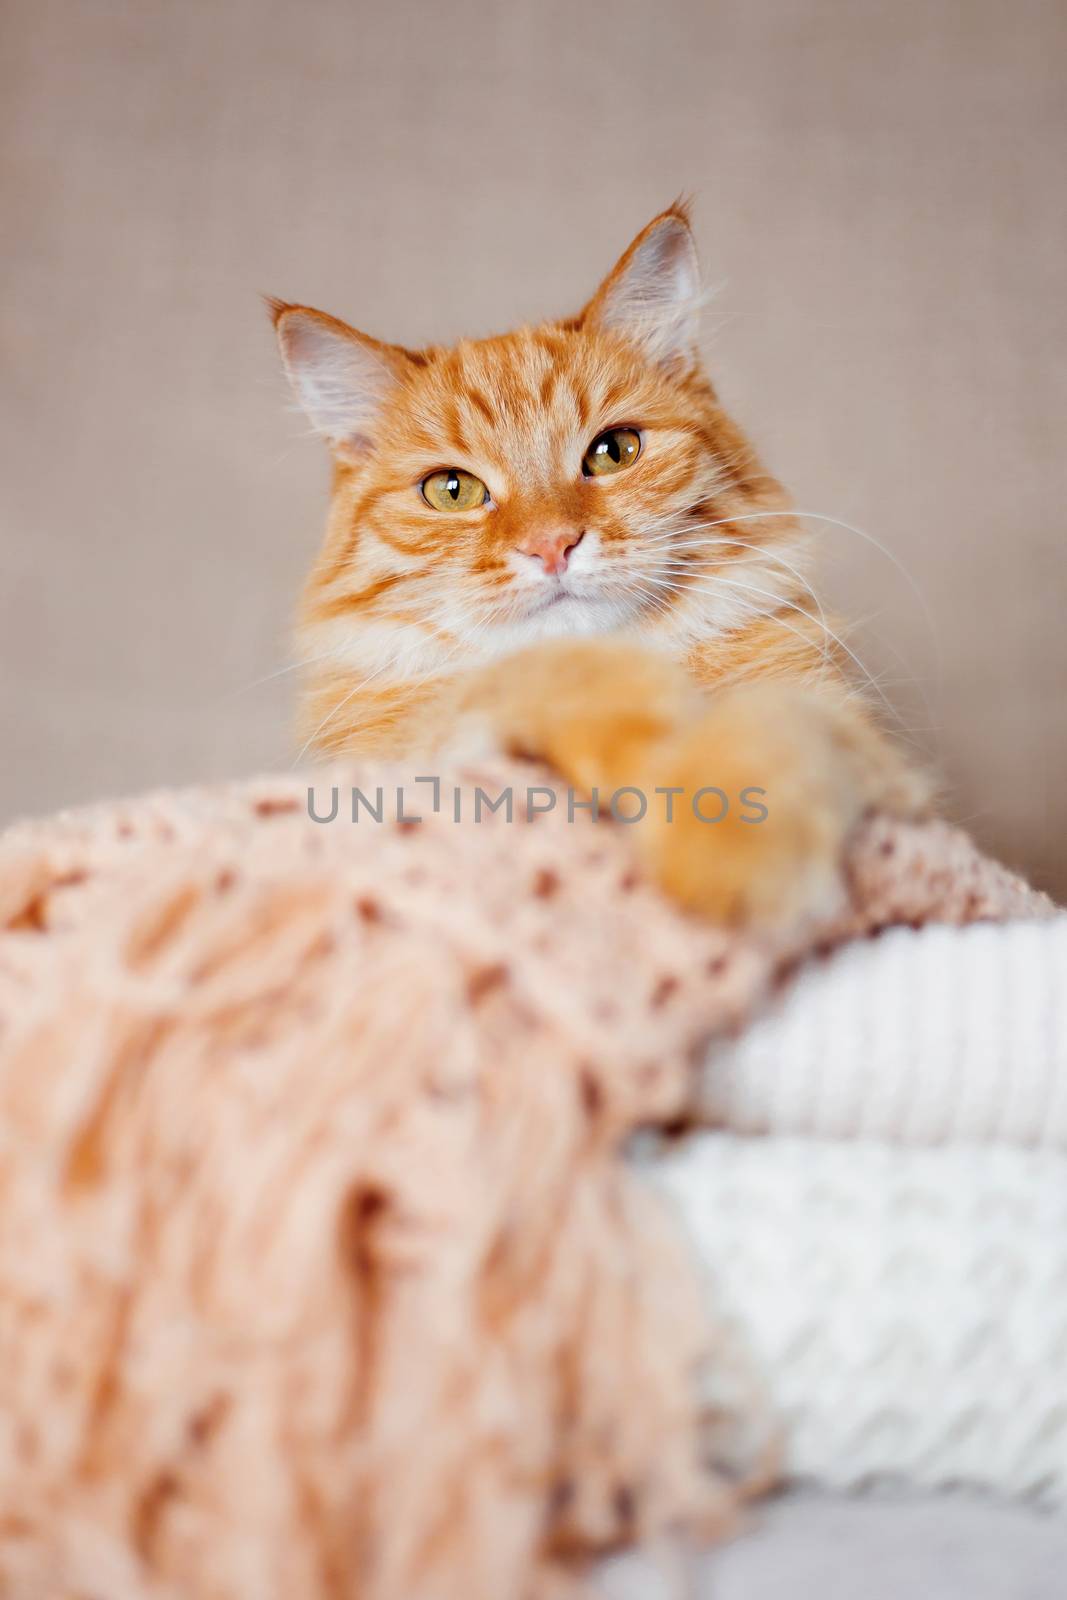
column 454, row 490
column 611, row 452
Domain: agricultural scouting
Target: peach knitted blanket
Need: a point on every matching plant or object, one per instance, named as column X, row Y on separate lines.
column 321, row 1273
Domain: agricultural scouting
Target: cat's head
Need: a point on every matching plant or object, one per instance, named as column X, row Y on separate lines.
column 571, row 478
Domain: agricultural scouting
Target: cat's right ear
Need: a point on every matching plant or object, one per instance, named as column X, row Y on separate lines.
column 340, row 377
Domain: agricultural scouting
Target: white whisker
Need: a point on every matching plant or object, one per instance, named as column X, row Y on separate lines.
column 780, row 600
column 835, row 522
column 328, row 718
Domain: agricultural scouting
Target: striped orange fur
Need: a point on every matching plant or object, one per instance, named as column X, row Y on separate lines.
column 557, row 540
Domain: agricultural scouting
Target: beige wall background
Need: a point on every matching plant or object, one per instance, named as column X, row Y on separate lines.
column 879, row 190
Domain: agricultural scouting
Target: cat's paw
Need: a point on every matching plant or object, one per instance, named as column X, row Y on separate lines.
column 774, row 866
column 786, row 778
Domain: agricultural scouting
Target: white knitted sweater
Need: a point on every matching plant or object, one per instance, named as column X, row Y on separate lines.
column 884, row 1212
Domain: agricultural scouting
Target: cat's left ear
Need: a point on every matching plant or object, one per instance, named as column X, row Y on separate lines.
column 652, row 294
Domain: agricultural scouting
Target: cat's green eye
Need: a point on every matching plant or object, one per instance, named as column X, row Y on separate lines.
column 454, row 490
column 611, row 452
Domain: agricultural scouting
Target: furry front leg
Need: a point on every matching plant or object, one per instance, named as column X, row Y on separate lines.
column 607, row 715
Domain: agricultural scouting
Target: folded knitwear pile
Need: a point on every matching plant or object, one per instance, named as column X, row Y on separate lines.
column 349, row 1247
column 885, row 1212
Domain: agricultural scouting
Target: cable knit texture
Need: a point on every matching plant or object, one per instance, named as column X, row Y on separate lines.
column 322, row 1272
column 908, row 1306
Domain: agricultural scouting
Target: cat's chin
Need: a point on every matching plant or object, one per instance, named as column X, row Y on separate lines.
column 565, row 615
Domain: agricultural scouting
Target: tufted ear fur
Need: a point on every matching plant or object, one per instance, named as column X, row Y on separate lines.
column 652, row 294
column 340, row 377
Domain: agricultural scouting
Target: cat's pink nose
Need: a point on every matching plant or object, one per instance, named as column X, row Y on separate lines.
column 552, row 547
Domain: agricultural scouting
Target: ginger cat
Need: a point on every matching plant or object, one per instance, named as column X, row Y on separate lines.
column 558, row 541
